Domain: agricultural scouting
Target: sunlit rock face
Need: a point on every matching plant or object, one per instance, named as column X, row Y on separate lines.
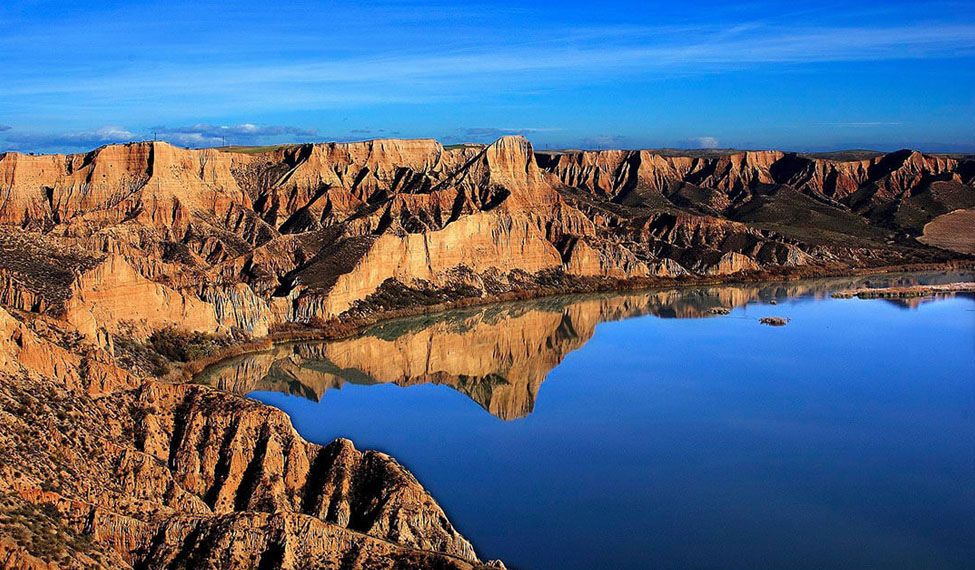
column 139, row 236
column 157, row 474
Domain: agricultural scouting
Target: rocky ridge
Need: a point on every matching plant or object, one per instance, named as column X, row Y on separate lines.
column 217, row 241
column 101, row 251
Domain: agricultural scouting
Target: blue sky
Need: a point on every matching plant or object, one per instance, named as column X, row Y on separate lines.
column 759, row 74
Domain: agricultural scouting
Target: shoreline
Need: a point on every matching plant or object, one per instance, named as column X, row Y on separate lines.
column 337, row 329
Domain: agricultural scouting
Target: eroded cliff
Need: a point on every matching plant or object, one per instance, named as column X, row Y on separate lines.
column 134, row 237
column 132, row 472
column 102, row 253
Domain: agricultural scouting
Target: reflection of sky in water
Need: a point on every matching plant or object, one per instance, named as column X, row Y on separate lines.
column 846, row 438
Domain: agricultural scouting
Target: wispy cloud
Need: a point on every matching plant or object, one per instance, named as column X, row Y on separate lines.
column 857, row 124
column 70, row 140
column 479, row 133
column 603, row 141
column 201, row 135
column 424, row 76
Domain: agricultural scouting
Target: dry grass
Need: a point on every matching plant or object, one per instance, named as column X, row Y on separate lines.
column 954, row 231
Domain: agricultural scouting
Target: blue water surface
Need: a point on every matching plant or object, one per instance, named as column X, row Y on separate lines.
column 845, row 439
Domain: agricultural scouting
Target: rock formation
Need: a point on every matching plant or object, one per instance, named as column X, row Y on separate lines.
column 147, row 474
column 138, row 236
column 101, row 252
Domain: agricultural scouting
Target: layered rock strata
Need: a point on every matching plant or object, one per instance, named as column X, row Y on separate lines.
column 139, row 236
column 101, row 251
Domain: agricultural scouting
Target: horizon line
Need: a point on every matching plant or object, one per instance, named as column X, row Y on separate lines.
column 673, row 151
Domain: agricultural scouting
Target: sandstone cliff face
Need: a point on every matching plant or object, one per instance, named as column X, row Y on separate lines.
column 617, row 174
column 479, row 243
column 146, row 234
column 154, row 182
column 114, row 291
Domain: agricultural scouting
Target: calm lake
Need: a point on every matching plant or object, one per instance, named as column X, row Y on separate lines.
column 642, row 430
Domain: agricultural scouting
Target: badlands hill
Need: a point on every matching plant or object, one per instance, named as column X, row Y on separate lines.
column 115, row 260
column 145, row 235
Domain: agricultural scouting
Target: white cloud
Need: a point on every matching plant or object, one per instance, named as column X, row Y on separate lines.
column 71, row 140
column 243, row 134
column 113, row 134
column 603, row 141
column 707, row 142
column 490, row 134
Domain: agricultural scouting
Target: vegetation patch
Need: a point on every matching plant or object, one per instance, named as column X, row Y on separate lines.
column 183, row 346
column 40, row 530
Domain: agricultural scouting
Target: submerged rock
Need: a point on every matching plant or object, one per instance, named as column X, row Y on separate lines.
column 774, row 321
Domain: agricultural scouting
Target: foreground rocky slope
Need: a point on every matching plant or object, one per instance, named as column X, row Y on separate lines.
column 103, row 469
column 104, row 255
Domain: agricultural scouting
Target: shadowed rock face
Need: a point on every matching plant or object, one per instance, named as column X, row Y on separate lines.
column 498, row 356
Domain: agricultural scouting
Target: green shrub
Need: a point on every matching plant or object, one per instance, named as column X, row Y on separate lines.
column 183, row 346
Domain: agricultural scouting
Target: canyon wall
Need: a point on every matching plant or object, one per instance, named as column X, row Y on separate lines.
column 147, row 235
column 132, row 472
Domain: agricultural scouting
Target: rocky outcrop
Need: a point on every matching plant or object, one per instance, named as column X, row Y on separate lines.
column 114, row 292
column 152, row 182
column 479, row 243
column 629, row 175
column 157, row 474
column 280, row 540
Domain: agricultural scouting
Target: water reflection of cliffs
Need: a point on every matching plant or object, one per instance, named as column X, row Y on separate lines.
column 497, row 355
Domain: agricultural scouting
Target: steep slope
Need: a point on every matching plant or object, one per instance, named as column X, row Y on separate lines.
column 155, row 474
column 222, row 241
column 954, row 231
